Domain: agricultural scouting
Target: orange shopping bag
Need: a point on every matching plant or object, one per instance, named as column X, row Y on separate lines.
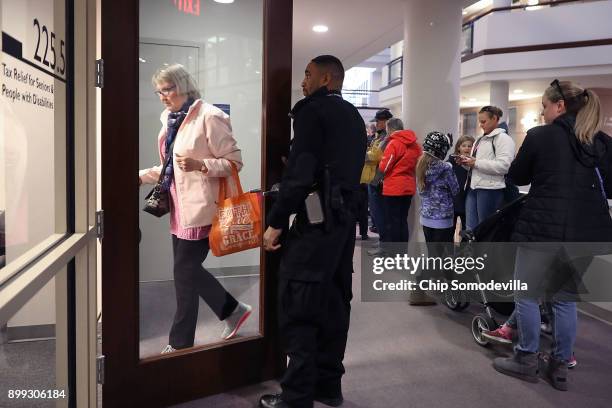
column 237, row 225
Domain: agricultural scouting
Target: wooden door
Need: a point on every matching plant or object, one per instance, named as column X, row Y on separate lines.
column 160, row 380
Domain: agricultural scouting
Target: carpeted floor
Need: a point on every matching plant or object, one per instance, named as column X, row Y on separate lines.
column 398, row 356
column 402, row 356
column 27, row 366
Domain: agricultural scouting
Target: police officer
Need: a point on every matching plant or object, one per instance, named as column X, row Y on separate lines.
column 326, row 159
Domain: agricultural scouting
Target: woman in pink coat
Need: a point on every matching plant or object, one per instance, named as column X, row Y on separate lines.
column 199, row 138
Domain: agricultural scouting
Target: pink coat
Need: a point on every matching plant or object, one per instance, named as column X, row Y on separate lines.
column 205, row 134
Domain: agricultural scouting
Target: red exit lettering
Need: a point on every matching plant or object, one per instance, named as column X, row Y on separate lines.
column 188, row 6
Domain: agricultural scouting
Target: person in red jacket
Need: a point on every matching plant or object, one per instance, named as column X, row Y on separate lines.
column 398, row 165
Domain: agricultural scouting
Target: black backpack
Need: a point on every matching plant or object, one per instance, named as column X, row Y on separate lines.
column 511, row 191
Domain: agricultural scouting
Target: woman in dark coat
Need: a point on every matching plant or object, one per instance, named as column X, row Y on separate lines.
column 568, row 163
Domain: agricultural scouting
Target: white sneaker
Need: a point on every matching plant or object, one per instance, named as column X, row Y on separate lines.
column 377, row 252
column 546, row 328
column 234, row 321
column 168, row 349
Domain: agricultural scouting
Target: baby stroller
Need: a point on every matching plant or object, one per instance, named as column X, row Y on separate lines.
column 496, row 228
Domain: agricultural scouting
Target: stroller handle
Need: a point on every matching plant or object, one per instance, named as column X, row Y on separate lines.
column 467, row 235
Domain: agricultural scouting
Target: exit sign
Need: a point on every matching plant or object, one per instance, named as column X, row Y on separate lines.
column 188, row 6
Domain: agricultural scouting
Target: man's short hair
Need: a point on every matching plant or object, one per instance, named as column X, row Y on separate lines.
column 331, row 64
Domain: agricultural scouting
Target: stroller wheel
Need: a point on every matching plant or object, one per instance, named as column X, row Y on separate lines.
column 454, row 300
column 482, row 322
column 450, row 300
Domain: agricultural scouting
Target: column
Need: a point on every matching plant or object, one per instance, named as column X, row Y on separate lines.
column 432, row 70
column 432, row 64
column 498, row 96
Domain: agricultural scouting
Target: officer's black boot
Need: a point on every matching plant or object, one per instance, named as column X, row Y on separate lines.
column 330, row 401
column 272, row 401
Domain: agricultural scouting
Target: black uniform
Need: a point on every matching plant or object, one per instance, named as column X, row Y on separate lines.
column 317, row 262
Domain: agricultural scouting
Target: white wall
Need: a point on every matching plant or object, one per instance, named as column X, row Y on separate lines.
column 40, row 310
column 397, row 50
column 562, row 63
column 390, row 96
column 564, row 23
column 598, row 282
column 604, row 305
column 549, row 25
column 227, row 62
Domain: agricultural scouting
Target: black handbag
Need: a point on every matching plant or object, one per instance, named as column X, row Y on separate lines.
column 511, row 191
column 157, row 202
column 377, row 181
column 379, row 177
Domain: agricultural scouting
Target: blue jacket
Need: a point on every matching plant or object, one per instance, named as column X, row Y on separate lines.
column 437, row 210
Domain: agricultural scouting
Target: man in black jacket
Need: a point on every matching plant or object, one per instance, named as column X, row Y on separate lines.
column 327, row 156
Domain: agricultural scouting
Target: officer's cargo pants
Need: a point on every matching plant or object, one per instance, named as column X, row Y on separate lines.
column 314, row 315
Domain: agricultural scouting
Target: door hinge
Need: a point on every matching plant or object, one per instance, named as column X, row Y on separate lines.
column 100, row 369
column 100, row 224
column 100, row 73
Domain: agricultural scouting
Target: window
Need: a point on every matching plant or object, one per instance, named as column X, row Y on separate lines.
column 32, row 130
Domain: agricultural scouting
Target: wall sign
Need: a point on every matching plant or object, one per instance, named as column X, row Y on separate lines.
column 188, row 6
column 31, row 60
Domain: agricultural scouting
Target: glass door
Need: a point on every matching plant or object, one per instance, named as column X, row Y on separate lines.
column 178, row 322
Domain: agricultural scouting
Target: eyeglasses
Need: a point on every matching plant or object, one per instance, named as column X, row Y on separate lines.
column 165, row 91
column 557, row 85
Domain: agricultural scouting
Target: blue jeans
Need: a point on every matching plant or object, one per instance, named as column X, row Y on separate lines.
column 563, row 317
column 377, row 210
column 480, row 203
column 512, row 319
column 545, row 313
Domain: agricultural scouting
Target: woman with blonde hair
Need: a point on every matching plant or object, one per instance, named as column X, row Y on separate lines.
column 568, row 163
column 198, row 138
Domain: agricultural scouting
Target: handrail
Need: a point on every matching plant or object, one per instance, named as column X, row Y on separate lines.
column 359, row 97
column 394, row 61
column 524, row 6
column 359, row 90
column 537, row 47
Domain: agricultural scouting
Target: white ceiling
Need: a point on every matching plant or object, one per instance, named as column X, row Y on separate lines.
column 358, row 29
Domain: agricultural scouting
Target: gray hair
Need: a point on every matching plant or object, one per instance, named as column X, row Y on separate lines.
column 394, row 124
column 177, row 75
